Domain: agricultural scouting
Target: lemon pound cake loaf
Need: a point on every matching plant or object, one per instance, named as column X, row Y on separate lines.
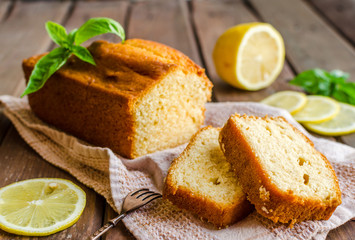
column 200, row 180
column 281, row 172
column 141, row 97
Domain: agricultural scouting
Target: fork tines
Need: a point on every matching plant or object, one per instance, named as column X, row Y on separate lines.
column 148, row 195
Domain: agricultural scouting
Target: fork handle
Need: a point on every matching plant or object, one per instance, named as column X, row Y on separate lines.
column 113, row 222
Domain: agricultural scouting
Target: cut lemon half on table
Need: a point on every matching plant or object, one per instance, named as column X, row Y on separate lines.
column 341, row 124
column 317, row 109
column 249, row 56
column 40, row 207
column 289, row 100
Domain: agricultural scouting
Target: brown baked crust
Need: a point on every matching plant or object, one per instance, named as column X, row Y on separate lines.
column 268, row 199
column 95, row 103
column 217, row 214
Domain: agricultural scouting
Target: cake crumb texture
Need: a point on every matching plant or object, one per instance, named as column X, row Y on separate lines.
column 281, row 172
column 200, row 180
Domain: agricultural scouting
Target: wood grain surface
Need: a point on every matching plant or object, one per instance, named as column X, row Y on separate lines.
column 317, row 33
column 340, row 14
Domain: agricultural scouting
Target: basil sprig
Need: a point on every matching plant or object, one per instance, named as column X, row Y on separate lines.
column 69, row 44
column 333, row 84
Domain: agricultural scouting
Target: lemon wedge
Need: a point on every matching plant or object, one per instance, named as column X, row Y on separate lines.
column 317, row 109
column 40, row 207
column 249, row 56
column 291, row 101
column 341, row 124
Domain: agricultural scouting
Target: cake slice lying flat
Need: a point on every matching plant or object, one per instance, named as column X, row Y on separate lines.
column 200, row 180
column 282, row 173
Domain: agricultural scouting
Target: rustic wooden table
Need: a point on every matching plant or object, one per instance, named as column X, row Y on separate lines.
column 317, row 33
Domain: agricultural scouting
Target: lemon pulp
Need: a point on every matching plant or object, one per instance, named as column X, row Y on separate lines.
column 249, row 56
column 317, row 109
column 343, row 123
column 291, row 101
column 40, row 207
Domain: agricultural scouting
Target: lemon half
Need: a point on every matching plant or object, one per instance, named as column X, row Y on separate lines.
column 343, row 123
column 291, row 101
column 318, row 109
column 249, row 56
column 40, row 207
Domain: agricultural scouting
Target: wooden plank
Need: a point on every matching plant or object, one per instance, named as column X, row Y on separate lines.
column 340, row 13
column 345, row 231
column 4, row 8
column 211, row 19
column 25, row 36
column 165, row 22
column 19, row 162
column 310, row 43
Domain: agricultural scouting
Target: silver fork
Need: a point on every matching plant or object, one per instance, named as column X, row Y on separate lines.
column 132, row 201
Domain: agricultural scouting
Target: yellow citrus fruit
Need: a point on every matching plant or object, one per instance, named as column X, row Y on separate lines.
column 317, row 109
column 249, row 56
column 341, row 124
column 291, row 101
column 41, row 206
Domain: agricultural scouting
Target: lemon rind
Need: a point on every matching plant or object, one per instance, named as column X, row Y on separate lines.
column 324, row 119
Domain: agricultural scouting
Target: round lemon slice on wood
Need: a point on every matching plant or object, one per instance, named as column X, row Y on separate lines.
column 291, row 101
column 40, row 207
column 249, row 56
column 343, row 123
column 317, row 109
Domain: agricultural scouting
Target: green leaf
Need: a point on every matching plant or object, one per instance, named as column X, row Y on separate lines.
column 98, row 26
column 45, row 67
column 314, row 81
column 71, row 36
column 339, row 75
column 83, row 54
column 321, row 82
column 57, row 32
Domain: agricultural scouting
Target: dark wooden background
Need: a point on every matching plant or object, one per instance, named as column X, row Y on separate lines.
column 317, row 33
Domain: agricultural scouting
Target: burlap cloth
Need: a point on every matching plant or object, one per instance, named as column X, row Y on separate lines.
column 113, row 177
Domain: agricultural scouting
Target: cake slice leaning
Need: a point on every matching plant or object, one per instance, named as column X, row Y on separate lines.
column 200, row 180
column 282, row 173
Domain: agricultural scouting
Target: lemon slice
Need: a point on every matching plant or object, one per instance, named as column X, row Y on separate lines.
column 341, row 124
column 249, row 56
column 40, row 207
column 317, row 109
column 289, row 100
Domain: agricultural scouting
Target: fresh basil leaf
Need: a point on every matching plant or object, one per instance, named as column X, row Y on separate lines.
column 98, row 26
column 71, row 36
column 45, row 67
column 333, row 84
column 339, row 75
column 83, row 54
column 56, row 32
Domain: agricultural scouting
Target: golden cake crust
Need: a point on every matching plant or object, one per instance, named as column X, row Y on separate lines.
column 96, row 103
column 208, row 210
column 268, row 199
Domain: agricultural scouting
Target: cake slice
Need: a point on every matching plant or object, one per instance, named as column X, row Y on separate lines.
column 141, row 97
column 281, row 172
column 200, row 180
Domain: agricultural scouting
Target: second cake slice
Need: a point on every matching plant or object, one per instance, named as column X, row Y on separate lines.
column 200, row 180
column 282, row 173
